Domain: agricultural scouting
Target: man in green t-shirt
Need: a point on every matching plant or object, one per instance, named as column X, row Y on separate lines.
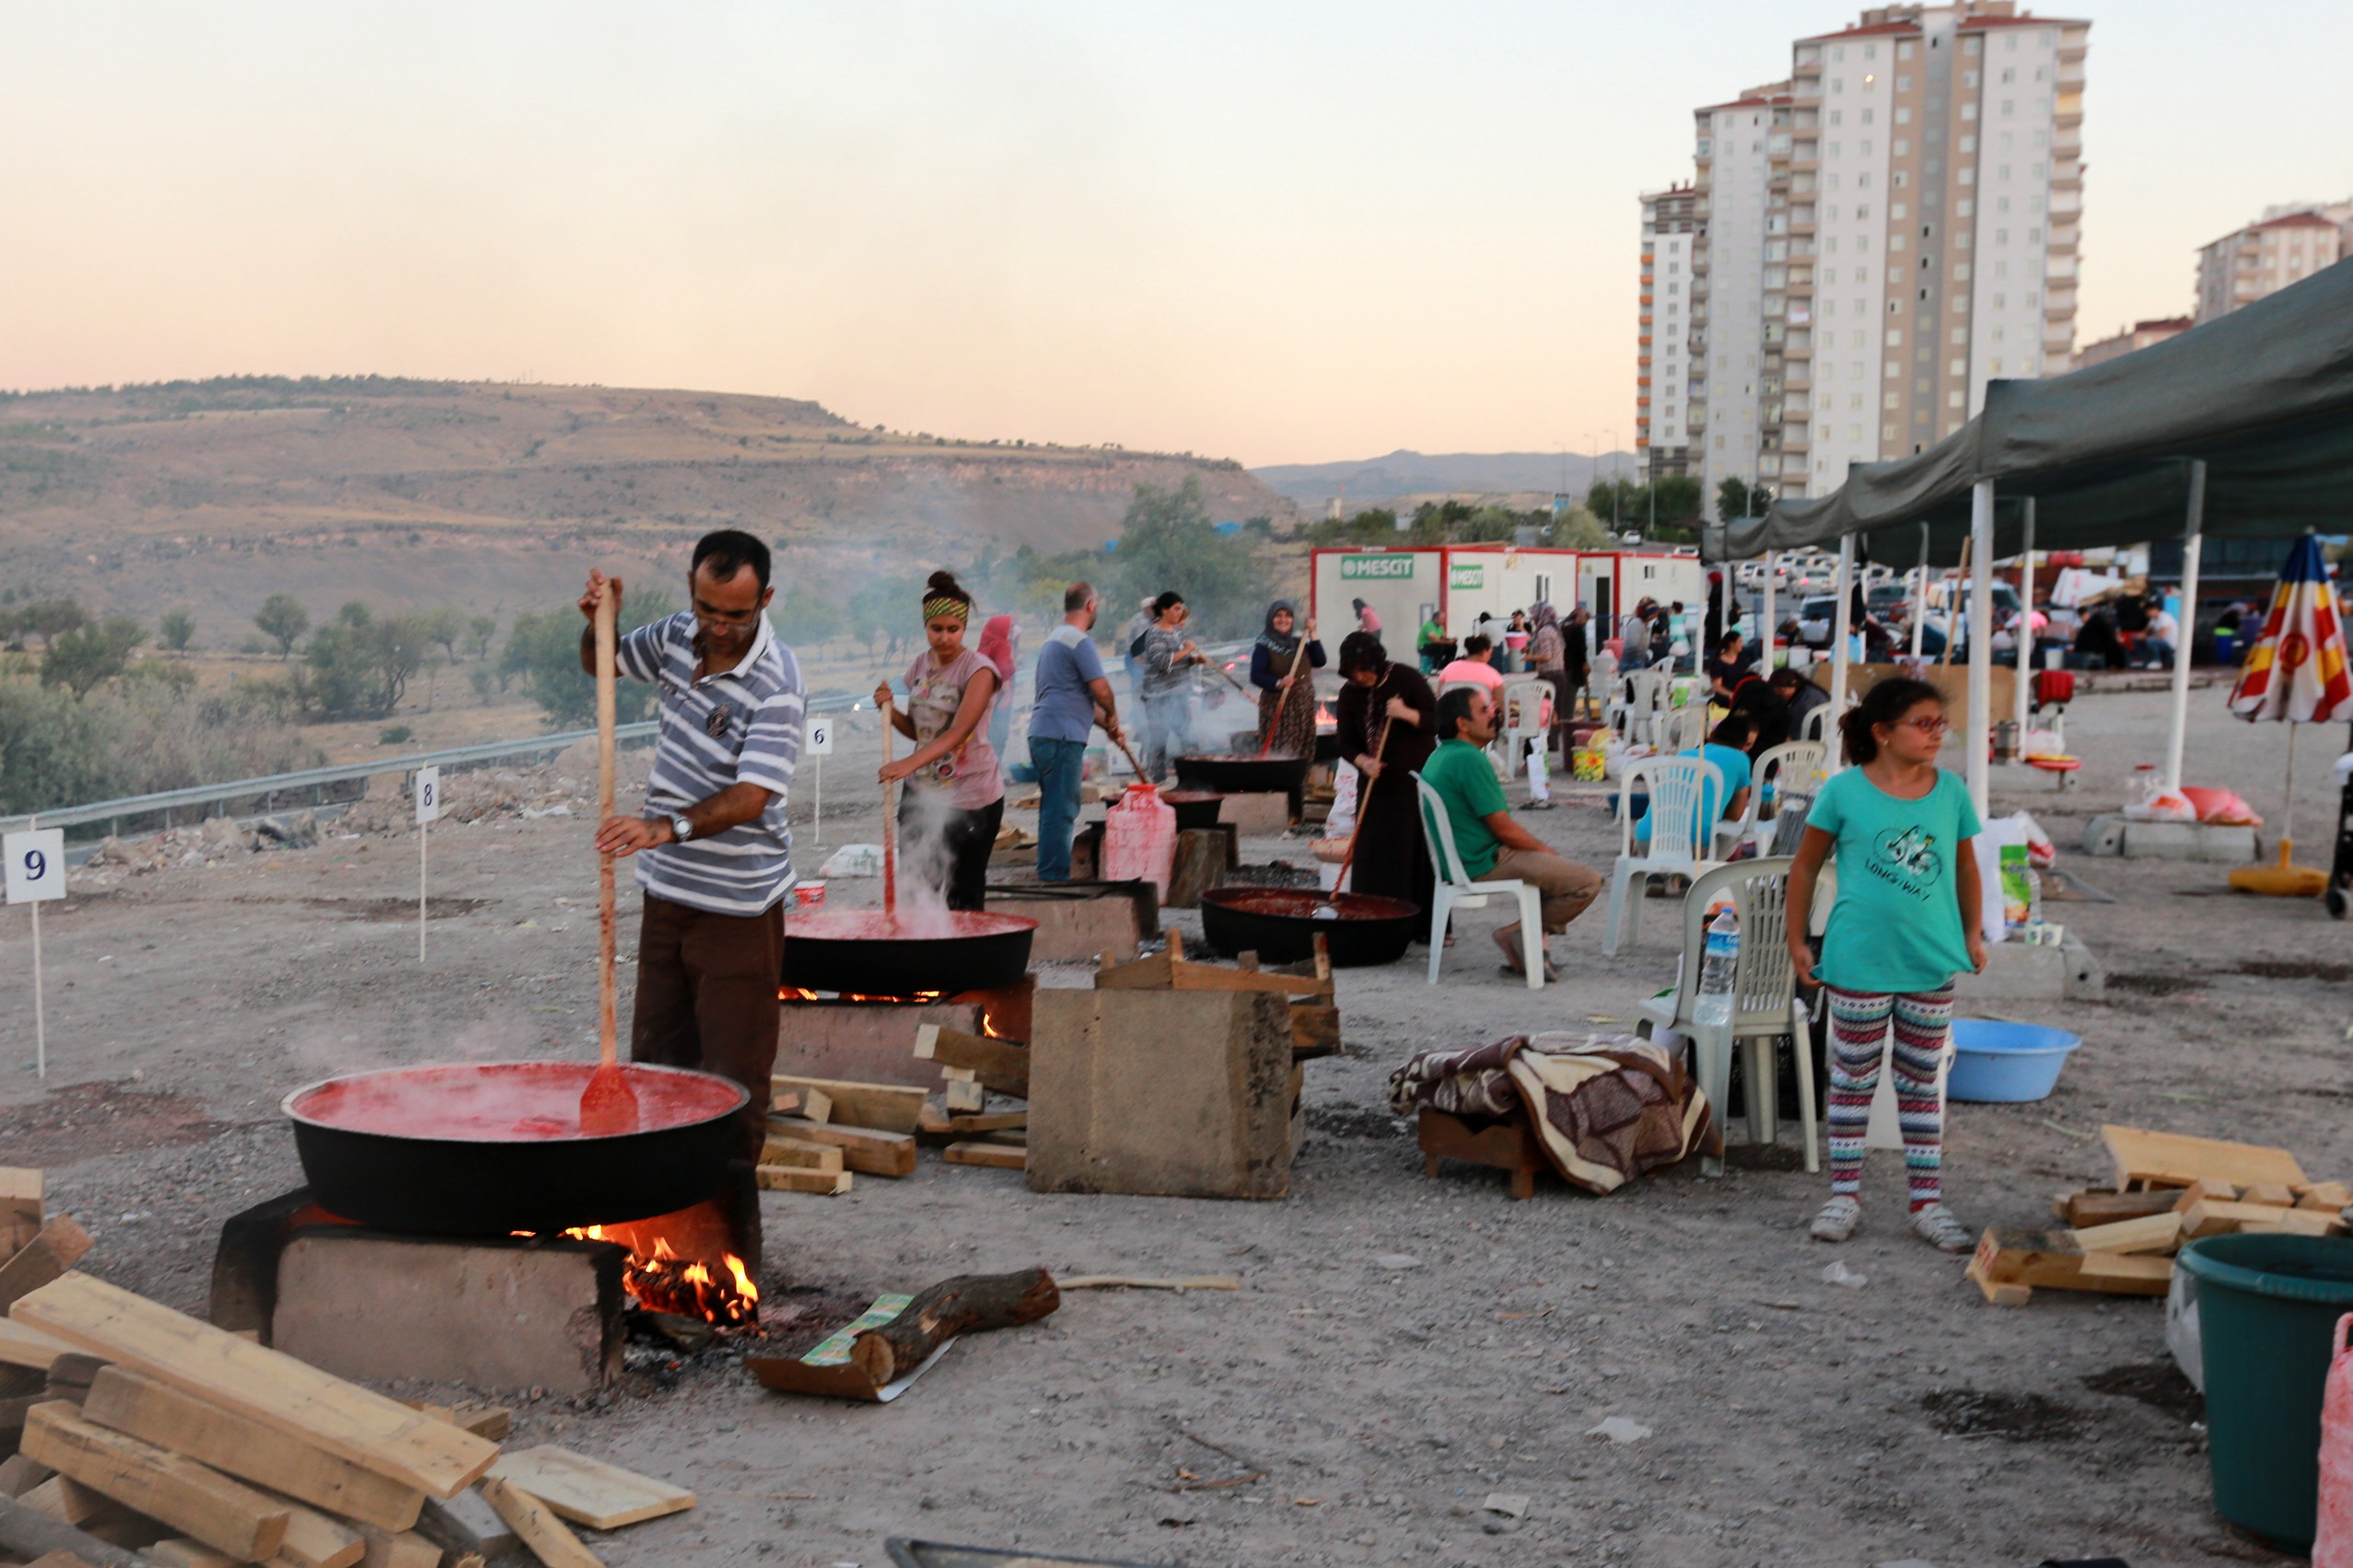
column 1493, row 846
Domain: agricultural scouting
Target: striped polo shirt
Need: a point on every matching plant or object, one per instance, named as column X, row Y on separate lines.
column 740, row 726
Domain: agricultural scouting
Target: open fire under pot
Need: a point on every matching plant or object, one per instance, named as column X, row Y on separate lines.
column 454, row 1229
column 870, row 1038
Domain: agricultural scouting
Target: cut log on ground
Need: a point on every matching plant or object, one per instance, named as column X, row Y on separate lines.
column 965, row 1305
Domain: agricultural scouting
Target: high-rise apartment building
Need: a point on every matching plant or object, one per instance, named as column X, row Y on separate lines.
column 1880, row 236
column 2132, row 339
column 1669, row 313
column 2288, row 242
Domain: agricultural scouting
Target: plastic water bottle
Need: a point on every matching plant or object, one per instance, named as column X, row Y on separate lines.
column 1721, row 957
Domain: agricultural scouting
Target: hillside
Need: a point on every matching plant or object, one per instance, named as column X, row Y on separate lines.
column 1406, row 475
column 214, row 494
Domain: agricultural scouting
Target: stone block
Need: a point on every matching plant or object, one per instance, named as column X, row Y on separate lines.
column 2211, row 843
column 492, row 1314
column 1161, row 1092
column 1078, row 922
column 1258, row 815
column 2016, row 971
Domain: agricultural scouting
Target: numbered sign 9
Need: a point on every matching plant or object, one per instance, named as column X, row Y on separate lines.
column 817, row 740
column 428, row 794
column 36, row 865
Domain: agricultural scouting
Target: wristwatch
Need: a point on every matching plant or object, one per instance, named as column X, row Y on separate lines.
column 681, row 829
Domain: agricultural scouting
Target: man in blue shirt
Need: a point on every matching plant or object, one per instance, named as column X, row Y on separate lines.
column 1071, row 697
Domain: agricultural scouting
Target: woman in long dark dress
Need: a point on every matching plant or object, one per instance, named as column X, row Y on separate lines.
column 1286, row 708
column 1391, row 858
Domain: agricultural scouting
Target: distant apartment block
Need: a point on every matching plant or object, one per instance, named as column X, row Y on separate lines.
column 1672, row 309
column 1874, row 240
column 2287, row 243
column 2140, row 334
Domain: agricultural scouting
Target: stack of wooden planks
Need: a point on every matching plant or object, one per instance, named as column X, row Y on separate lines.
column 2168, row 1190
column 820, row 1130
column 159, row 1434
column 971, row 1068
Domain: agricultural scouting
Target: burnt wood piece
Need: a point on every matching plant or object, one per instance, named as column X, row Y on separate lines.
column 32, row 1534
column 965, row 1305
column 1510, row 1146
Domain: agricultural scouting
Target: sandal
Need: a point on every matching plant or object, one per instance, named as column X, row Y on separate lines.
column 1837, row 1220
column 1937, row 1225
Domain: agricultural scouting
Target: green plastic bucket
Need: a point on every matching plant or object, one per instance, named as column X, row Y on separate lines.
column 2267, row 1307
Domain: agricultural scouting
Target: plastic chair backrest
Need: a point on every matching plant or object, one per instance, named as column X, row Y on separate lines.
column 1794, row 767
column 1681, row 788
column 1686, row 727
column 1816, row 724
column 1437, row 832
column 1523, row 702
column 1763, row 980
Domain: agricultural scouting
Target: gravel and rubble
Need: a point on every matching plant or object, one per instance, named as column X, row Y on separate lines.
column 1405, row 1349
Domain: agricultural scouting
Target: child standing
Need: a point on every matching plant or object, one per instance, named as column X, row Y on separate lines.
column 1906, row 922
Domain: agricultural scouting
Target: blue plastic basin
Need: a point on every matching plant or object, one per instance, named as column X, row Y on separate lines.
column 2003, row 1064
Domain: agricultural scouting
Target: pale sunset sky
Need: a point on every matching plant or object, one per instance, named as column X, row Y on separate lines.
column 1278, row 232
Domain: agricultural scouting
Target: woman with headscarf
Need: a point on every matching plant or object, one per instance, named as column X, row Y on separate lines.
column 954, row 802
column 1001, row 645
column 1377, row 695
column 1286, row 707
column 1548, row 657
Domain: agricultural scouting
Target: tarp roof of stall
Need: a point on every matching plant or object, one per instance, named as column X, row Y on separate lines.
column 2263, row 396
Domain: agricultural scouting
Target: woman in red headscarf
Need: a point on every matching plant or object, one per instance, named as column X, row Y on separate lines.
column 1001, row 645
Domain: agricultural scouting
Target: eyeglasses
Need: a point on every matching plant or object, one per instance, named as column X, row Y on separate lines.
column 1926, row 726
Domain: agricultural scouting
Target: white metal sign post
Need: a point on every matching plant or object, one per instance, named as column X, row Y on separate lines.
column 428, row 807
column 817, row 744
column 36, row 873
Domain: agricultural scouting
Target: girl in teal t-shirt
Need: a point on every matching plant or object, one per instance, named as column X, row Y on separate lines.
column 1906, row 922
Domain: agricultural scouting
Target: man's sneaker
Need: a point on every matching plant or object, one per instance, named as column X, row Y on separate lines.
column 1837, row 1220
column 1935, row 1224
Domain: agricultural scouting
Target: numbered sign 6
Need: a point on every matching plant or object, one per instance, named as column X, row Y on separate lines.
column 36, row 865
column 818, row 739
column 428, row 794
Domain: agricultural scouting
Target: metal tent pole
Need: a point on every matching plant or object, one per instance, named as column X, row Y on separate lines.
column 1766, row 658
column 2025, row 629
column 1841, row 628
column 1979, row 740
column 2192, row 543
column 1921, row 596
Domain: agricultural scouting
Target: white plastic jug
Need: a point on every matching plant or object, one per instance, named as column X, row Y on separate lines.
column 1139, row 839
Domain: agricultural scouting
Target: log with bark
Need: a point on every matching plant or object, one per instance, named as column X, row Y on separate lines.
column 965, row 1305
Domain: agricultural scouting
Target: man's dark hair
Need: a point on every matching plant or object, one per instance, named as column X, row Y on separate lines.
column 1075, row 598
column 1736, row 731
column 730, row 551
column 1474, row 645
column 1454, row 709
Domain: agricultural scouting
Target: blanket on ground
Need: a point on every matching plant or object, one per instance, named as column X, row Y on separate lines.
column 1607, row 1107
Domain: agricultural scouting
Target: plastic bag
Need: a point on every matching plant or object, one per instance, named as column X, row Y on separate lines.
column 2041, row 852
column 2153, row 802
column 2003, row 833
column 2225, row 807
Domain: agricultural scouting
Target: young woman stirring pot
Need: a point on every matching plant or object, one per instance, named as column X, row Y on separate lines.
column 949, row 813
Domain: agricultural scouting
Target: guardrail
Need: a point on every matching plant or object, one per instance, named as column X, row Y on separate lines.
column 267, row 794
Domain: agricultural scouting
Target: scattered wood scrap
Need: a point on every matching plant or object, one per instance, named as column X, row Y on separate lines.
column 2172, row 1159
column 191, row 1498
column 886, row 1108
column 2009, row 1265
column 590, row 1491
column 550, row 1540
column 800, row 1154
column 867, row 1151
column 57, row 1247
column 998, row 1156
column 1002, row 1066
column 20, row 1208
column 791, row 1178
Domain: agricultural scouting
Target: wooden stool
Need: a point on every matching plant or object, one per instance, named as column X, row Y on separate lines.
column 1507, row 1146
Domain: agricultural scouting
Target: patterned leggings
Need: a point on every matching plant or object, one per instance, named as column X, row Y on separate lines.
column 1858, row 1030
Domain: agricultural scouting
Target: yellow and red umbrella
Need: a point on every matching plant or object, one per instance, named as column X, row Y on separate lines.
column 2295, row 671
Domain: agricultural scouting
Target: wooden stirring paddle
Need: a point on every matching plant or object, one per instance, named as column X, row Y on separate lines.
column 608, row 1105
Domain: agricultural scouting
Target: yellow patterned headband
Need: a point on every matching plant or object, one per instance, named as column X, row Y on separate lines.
column 940, row 604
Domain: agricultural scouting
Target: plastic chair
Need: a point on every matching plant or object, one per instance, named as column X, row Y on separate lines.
column 1455, row 887
column 1765, row 1003
column 1682, row 837
column 1525, row 720
column 1794, row 770
column 1642, row 697
column 1815, row 727
column 1682, row 729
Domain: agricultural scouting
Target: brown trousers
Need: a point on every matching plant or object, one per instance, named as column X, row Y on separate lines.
column 706, row 998
column 1566, row 887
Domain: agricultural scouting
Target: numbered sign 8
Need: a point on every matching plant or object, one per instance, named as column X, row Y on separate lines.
column 817, row 741
column 36, row 865
column 428, row 794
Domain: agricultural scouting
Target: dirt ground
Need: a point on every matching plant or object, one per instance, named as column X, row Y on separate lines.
column 1403, row 1348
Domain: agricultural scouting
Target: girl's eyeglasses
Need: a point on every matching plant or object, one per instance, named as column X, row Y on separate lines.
column 1926, row 726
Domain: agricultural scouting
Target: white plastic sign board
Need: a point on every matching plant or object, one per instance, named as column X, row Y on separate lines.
column 36, row 865
column 817, row 741
column 428, row 794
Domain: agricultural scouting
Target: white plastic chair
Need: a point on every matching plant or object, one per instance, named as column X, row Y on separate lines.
column 1793, row 769
column 1524, row 712
column 1682, row 835
column 1641, row 697
column 1765, row 1001
column 1455, row 887
column 1682, row 729
column 1816, row 726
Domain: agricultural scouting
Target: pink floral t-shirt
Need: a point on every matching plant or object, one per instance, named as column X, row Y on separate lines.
column 969, row 773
